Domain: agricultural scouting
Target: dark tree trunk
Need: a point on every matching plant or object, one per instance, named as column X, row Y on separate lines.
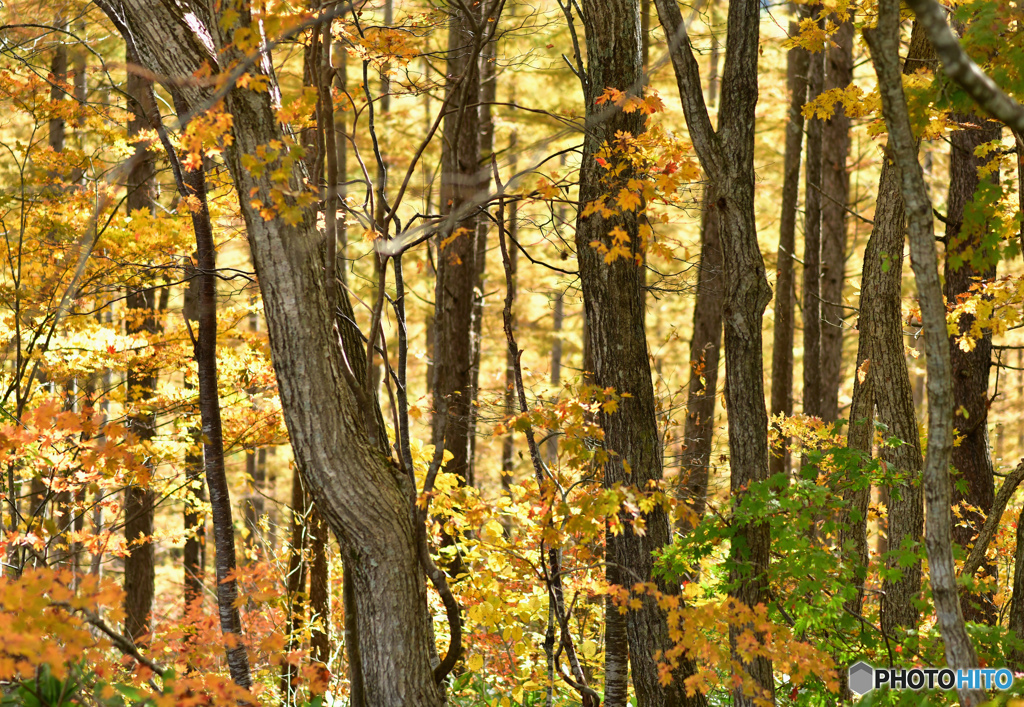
column 457, row 256
column 727, row 157
column 194, row 556
column 972, row 458
column 811, row 294
column 613, row 302
column 213, row 440
column 360, row 492
column 785, row 281
column 704, row 353
column 139, row 567
column 319, row 589
column 295, row 583
column 883, row 383
column 835, row 192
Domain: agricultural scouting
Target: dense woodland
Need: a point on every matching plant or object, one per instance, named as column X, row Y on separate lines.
column 509, row 352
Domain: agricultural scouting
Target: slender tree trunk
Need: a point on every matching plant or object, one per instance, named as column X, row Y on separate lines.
column 785, row 282
column 139, row 566
column 811, row 295
column 972, row 457
column 457, row 256
column 882, row 382
column 704, row 352
column 835, row 193
column 613, row 302
column 1015, row 620
column 194, row 556
column 209, row 409
column 884, row 43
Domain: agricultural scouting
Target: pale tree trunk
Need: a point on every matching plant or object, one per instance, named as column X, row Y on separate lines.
column 835, row 194
column 139, row 567
column 882, row 383
column 613, row 303
column 727, row 157
column 785, row 281
column 972, row 457
column 884, row 43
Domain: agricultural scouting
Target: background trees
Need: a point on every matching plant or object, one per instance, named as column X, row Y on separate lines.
column 560, row 500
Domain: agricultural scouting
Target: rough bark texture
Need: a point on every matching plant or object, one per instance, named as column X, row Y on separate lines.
column 704, row 355
column 884, row 44
column 139, row 566
column 811, row 293
column 359, row 491
column 727, row 157
column 835, row 193
column 457, row 270
column 883, row 383
column 319, row 589
column 785, row 281
column 972, row 458
column 613, row 303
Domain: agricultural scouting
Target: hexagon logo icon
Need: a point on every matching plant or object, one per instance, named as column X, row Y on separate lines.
column 862, row 678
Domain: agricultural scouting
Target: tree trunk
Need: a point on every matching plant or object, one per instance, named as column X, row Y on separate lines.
column 972, row 458
column 194, row 556
column 835, row 192
column 359, row 491
column 295, row 583
column 884, row 43
column 811, row 294
column 785, row 281
column 882, row 382
column 613, row 302
column 139, row 567
column 704, row 351
column 213, row 440
column 457, row 256
column 319, row 590
column 727, row 157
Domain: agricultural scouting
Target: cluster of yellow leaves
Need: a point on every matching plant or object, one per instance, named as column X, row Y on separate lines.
column 993, row 306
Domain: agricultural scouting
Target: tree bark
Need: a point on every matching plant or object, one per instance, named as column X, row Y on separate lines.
column 883, row 382
column 884, row 45
column 704, row 352
column 455, row 286
column 194, row 555
column 835, row 193
column 139, row 566
column 613, row 303
column 811, row 294
column 360, row 492
column 972, row 458
column 785, row 281
column 727, row 157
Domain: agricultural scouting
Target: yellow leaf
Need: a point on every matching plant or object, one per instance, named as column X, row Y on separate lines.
column 475, row 662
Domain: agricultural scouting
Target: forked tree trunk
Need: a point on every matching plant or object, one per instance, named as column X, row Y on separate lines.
column 727, row 157
column 613, row 303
